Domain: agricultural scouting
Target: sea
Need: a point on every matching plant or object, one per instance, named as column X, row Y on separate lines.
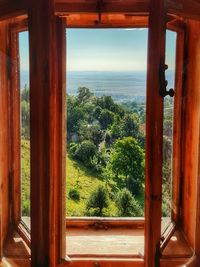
column 124, row 86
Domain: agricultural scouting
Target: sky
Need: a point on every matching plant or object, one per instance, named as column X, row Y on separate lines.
column 105, row 49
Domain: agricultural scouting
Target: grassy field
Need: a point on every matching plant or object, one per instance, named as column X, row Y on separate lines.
column 85, row 182
column 78, row 177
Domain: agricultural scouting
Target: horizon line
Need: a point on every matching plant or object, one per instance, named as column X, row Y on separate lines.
column 144, row 70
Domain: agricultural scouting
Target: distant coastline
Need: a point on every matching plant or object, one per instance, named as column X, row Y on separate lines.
column 122, row 86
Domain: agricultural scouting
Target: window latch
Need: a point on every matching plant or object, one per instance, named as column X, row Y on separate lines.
column 99, row 9
column 163, row 82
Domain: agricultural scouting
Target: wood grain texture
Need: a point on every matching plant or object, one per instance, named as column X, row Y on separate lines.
column 81, row 262
column 154, row 133
column 107, row 21
column 10, row 9
column 197, row 231
column 184, row 8
column 61, row 49
column 126, row 6
column 15, row 149
column 177, row 133
column 4, row 138
column 47, row 105
column 191, row 107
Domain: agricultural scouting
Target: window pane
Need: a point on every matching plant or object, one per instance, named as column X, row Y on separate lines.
column 106, row 106
column 168, row 131
column 25, row 127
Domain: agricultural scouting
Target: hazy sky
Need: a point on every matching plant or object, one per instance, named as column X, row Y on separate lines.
column 105, row 49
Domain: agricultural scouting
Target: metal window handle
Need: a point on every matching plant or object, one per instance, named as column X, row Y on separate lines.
column 163, row 82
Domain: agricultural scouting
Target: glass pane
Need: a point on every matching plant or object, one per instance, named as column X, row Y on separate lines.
column 106, row 106
column 25, row 127
column 168, row 131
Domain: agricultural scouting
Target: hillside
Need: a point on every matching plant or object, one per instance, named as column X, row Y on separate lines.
column 78, row 177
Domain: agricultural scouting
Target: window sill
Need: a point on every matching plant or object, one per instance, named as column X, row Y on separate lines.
column 105, row 222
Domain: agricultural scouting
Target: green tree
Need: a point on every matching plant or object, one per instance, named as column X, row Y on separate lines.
column 25, row 119
column 107, row 102
column 84, row 95
column 106, row 118
column 98, row 200
column 91, row 132
column 75, row 114
column 86, row 151
column 127, row 205
column 25, row 94
column 117, row 128
column 131, row 125
column 127, row 160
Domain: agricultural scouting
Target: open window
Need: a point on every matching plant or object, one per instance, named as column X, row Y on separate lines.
column 164, row 114
column 106, row 105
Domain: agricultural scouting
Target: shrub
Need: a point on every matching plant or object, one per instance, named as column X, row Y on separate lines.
column 25, row 208
column 86, row 151
column 97, row 201
column 134, row 185
column 74, row 194
column 127, row 205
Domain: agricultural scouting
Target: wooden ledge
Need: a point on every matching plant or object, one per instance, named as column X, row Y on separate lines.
column 16, row 248
column 105, row 222
column 177, row 247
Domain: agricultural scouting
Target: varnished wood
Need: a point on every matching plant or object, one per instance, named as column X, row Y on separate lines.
column 177, row 247
column 61, row 198
column 107, row 223
column 19, row 24
column 81, row 262
column 105, row 243
column 127, row 6
column 15, row 149
column 191, row 102
column 177, row 134
column 197, row 230
column 107, row 20
column 154, row 133
column 15, row 247
column 46, row 129
column 15, row 262
column 184, row 8
column 11, row 9
column 4, row 137
column 43, row 136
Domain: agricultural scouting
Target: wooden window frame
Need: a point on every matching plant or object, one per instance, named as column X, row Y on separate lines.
column 20, row 26
column 187, row 12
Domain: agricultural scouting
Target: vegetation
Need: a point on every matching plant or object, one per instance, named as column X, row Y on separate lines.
column 105, row 159
column 25, row 171
column 97, row 201
column 127, row 205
